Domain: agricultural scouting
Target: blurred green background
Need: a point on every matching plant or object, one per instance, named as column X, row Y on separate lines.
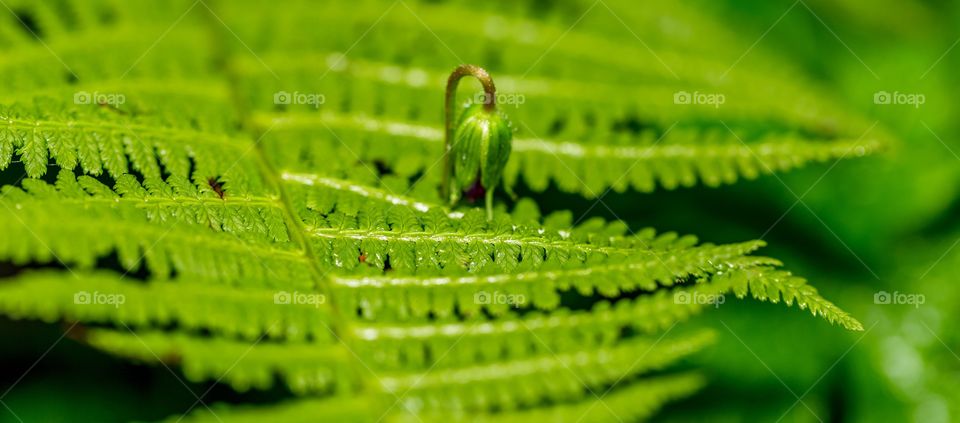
column 887, row 223
column 882, row 224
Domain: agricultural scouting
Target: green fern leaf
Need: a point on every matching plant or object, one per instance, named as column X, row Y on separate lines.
column 205, row 225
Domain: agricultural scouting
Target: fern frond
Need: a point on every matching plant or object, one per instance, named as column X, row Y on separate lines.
column 774, row 285
column 243, row 241
column 591, row 55
column 549, row 377
column 81, row 34
column 634, row 402
column 607, row 275
column 219, row 309
column 670, row 160
column 339, row 408
column 94, row 139
column 569, row 125
column 417, row 345
column 175, row 199
column 311, row 368
column 637, row 401
column 306, row 368
column 207, row 200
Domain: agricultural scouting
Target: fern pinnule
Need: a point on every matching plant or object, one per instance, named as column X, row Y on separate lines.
column 775, row 285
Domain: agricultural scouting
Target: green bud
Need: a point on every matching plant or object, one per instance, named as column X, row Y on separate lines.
column 476, row 141
column 480, row 150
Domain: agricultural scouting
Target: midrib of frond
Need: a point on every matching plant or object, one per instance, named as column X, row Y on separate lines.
column 490, row 238
column 619, row 356
column 423, row 77
column 98, row 38
column 774, row 285
column 586, row 151
column 520, row 337
column 643, row 240
column 297, row 231
column 274, row 178
column 365, row 191
column 218, row 140
column 647, row 259
column 650, row 98
column 240, row 311
column 149, row 231
column 596, row 317
column 178, row 201
column 200, row 88
column 419, row 77
column 699, row 67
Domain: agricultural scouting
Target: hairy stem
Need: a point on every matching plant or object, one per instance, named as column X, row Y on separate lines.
column 489, row 104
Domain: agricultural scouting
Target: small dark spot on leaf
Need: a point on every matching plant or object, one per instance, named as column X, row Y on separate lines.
column 386, row 265
column 382, row 167
column 28, row 23
column 631, row 124
column 216, row 186
column 557, row 126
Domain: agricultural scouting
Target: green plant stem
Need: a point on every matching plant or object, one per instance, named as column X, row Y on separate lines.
column 490, row 204
column 489, row 104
